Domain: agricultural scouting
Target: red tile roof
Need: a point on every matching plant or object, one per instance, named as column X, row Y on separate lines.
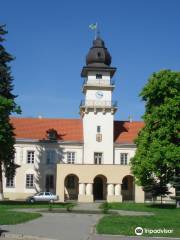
column 36, row 128
column 70, row 129
column 125, row 132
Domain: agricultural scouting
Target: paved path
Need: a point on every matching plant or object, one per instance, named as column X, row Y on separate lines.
column 69, row 226
column 88, row 206
column 95, row 207
column 62, row 226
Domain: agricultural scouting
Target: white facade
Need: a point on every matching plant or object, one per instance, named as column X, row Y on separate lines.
column 91, row 145
column 84, row 154
column 97, row 167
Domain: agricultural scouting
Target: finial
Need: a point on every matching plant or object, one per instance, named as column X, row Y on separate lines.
column 98, row 33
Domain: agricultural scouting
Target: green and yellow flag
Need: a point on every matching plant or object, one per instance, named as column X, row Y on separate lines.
column 93, row 26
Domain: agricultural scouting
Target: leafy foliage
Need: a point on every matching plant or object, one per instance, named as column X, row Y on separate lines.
column 7, row 106
column 157, row 189
column 158, row 153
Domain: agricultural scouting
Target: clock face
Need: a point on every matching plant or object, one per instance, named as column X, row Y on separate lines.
column 99, row 94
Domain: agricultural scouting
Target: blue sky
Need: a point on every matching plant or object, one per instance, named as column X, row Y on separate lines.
column 50, row 40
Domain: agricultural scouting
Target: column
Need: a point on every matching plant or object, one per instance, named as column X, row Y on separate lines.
column 85, row 192
column 118, row 196
column 89, row 189
column 81, row 188
column 117, row 189
column 110, row 188
column 114, row 193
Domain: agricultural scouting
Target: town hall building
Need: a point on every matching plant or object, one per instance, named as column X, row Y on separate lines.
column 85, row 159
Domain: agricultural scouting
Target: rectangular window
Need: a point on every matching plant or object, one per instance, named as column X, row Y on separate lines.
column 70, row 157
column 29, row 180
column 123, row 158
column 49, row 182
column 10, row 182
column 50, row 157
column 98, row 76
column 98, row 158
column 30, row 156
column 98, row 129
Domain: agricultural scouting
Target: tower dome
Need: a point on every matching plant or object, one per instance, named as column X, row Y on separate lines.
column 98, row 59
column 98, row 55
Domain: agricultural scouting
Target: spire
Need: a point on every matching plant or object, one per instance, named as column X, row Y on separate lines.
column 98, row 54
column 98, row 58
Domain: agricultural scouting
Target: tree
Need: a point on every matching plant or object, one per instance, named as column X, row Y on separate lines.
column 158, row 153
column 176, row 184
column 157, row 189
column 7, row 106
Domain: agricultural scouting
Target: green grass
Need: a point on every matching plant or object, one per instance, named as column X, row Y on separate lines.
column 22, row 204
column 139, row 207
column 13, row 217
column 165, row 217
column 9, row 217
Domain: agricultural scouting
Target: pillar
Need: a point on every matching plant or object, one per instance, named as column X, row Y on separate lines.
column 89, row 189
column 85, row 192
column 114, row 193
column 117, row 189
column 81, row 189
column 110, row 189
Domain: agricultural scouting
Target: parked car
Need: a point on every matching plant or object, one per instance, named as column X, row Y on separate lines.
column 43, row 197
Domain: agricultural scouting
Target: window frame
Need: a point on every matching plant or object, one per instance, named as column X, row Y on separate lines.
column 98, row 160
column 98, row 129
column 123, row 158
column 30, row 158
column 71, row 157
column 29, row 182
column 10, row 180
column 98, row 76
column 49, row 159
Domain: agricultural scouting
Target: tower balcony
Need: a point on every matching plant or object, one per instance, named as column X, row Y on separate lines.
column 98, row 84
column 94, row 105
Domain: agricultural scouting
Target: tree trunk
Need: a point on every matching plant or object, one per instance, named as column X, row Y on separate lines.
column 1, row 183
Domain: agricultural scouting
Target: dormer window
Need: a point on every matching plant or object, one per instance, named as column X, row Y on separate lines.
column 98, row 76
column 52, row 134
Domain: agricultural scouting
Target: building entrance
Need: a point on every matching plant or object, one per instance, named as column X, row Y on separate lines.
column 99, row 188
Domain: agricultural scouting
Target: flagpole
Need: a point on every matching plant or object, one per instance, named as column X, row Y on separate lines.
column 96, row 31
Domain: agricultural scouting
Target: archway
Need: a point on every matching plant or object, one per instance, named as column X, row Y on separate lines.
column 100, row 188
column 71, row 187
column 128, row 188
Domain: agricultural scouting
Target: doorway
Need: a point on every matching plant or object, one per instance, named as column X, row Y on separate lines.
column 99, row 188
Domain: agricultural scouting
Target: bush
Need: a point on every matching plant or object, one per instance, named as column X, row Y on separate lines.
column 69, row 207
column 105, row 208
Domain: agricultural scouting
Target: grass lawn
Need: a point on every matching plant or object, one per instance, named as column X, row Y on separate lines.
column 12, row 217
column 166, row 217
column 9, row 217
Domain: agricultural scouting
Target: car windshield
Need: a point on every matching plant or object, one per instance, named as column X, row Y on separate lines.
column 39, row 194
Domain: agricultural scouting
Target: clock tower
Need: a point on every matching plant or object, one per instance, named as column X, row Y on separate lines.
column 97, row 109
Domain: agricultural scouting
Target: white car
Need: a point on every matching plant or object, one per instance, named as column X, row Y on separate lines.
column 43, row 197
